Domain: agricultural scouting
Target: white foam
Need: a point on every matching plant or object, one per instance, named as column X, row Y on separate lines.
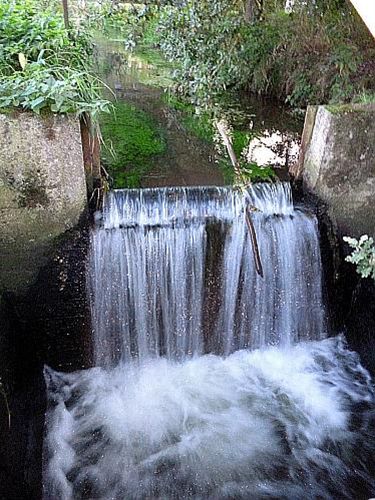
column 270, row 422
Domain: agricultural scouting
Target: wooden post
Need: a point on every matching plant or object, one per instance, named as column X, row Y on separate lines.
column 66, row 13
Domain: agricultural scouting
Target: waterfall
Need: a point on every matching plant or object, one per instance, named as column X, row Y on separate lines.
column 164, row 261
column 210, row 382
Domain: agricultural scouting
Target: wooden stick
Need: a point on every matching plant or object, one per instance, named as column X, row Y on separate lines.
column 223, row 131
column 222, row 128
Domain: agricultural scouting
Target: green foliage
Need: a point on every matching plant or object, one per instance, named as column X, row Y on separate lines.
column 365, row 98
column 149, row 36
column 256, row 173
column 198, row 124
column 42, row 65
column 131, row 141
column 240, row 139
column 132, row 22
column 204, row 40
column 251, row 172
column 313, row 55
column 363, row 255
column 316, row 56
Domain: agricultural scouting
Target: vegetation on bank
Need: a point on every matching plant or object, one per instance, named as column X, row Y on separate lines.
column 43, row 66
column 131, row 141
column 317, row 53
column 363, row 255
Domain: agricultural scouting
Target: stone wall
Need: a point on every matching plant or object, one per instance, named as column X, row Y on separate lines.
column 44, row 316
column 337, row 164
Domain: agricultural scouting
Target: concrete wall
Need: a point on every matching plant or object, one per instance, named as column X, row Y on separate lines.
column 42, row 191
column 337, row 164
column 337, row 172
column 43, row 302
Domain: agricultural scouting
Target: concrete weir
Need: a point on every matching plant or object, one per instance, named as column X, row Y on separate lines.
column 44, row 239
column 43, row 311
column 337, row 164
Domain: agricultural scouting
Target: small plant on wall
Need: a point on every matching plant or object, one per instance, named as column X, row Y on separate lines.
column 363, row 255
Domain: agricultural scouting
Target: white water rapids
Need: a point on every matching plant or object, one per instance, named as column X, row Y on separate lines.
column 211, row 383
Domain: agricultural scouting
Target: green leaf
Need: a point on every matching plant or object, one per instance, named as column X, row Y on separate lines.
column 36, row 103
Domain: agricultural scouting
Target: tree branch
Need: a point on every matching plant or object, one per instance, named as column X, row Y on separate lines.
column 222, row 128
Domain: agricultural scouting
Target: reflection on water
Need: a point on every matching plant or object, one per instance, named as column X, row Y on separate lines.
column 276, row 148
column 122, row 69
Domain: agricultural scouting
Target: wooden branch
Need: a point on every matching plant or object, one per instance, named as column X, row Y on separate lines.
column 254, row 242
column 223, row 131
column 249, row 11
column 222, row 128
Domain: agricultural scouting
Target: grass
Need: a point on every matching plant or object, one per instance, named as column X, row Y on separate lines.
column 131, row 141
column 355, row 107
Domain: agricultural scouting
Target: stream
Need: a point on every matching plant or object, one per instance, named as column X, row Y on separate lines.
column 209, row 381
column 188, row 159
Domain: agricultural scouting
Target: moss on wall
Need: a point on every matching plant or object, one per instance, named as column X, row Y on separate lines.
column 131, row 140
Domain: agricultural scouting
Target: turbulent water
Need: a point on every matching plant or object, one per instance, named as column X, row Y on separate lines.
column 211, row 382
column 274, row 423
column 171, row 273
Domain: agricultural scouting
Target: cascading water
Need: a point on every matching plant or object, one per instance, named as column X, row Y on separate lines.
column 211, row 382
column 148, row 272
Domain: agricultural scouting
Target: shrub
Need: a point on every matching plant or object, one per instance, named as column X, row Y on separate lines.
column 42, row 65
column 316, row 54
column 204, row 39
column 363, row 255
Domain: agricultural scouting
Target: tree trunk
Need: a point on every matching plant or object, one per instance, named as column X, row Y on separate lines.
column 249, row 11
column 66, row 13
